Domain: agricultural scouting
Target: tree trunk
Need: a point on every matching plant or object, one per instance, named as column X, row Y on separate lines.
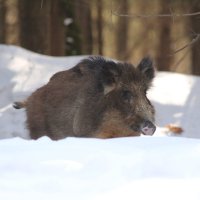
column 100, row 26
column 164, row 48
column 84, row 19
column 195, row 27
column 11, row 28
column 2, row 21
column 35, row 28
column 42, row 26
column 122, row 31
column 57, row 28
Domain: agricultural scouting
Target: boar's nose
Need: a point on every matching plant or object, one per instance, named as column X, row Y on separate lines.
column 148, row 128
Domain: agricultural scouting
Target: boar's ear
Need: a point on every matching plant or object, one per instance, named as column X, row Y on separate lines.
column 109, row 88
column 146, row 67
column 110, row 77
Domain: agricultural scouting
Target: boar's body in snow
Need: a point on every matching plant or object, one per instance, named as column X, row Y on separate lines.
column 96, row 98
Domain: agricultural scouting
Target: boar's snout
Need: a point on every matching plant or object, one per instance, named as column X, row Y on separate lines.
column 148, row 128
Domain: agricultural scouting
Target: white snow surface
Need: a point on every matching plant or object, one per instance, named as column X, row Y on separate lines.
column 93, row 169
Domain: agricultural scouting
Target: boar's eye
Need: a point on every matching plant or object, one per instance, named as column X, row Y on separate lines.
column 127, row 96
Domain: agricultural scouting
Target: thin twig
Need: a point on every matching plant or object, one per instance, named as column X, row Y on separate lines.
column 154, row 15
column 194, row 40
column 180, row 60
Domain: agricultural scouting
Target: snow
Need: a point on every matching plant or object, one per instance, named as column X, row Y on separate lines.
column 92, row 169
column 177, row 98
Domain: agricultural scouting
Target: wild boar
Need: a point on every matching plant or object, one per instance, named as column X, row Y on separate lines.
column 96, row 98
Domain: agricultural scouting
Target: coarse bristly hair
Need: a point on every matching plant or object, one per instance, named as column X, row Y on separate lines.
column 96, row 98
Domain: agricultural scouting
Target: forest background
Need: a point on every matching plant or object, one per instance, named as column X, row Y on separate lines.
column 167, row 30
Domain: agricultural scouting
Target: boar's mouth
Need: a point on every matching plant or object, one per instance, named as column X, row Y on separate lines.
column 146, row 128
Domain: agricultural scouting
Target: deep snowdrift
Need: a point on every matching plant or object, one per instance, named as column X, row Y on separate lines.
column 92, row 169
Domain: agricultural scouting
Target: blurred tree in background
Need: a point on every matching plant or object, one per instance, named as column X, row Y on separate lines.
column 122, row 26
column 164, row 34
column 2, row 20
column 41, row 26
column 167, row 30
column 9, row 22
column 194, row 22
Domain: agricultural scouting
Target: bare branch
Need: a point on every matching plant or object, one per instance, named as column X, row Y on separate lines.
column 176, row 65
column 171, row 15
column 194, row 40
column 154, row 15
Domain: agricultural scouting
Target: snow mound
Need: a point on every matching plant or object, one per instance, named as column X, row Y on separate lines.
column 92, row 169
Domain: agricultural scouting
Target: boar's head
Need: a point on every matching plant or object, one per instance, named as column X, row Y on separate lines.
column 128, row 111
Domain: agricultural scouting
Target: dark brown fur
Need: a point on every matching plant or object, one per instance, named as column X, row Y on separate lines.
column 96, row 98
